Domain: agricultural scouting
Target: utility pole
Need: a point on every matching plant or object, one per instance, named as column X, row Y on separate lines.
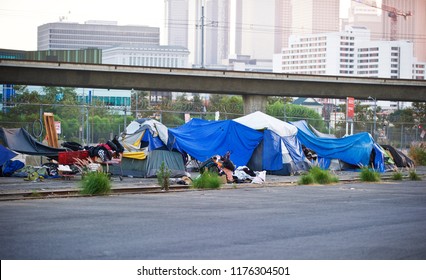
column 202, row 34
column 374, row 120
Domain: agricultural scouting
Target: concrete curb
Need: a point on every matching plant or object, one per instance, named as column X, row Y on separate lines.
column 155, row 189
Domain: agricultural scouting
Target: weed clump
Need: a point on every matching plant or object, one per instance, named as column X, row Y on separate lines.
column 306, row 179
column 369, row 175
column 412, row 174
column 397, row 176
column 207, row 180
column 163, row 177
column 96, row 183
column 319, row 176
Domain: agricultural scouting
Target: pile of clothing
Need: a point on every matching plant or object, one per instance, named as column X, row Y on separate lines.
column 223, row 166
column 104, row 151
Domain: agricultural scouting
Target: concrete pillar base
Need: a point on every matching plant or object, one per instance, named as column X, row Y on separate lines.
column 253, row 103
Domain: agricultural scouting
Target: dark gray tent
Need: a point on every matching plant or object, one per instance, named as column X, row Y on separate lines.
column 19, row 140
column 398, row 157
column 149, row 136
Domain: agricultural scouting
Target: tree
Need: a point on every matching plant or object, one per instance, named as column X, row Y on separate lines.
column 230, row 106
column 295, row 113
column 419, row 111
column 139, row 101
column 363, row 117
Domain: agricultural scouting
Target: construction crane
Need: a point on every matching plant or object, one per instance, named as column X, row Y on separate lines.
column 393, row 13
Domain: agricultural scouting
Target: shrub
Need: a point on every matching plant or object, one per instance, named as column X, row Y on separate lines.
column 412, row 174
column 368, row 175
column 397, row 176
column 418, row 154
column 317, row 175
column 96, row 183
column 207, row 180
column 306, row 179
column 322, row 176
column 163, row 177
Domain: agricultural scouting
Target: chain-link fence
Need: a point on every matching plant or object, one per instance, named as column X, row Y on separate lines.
column 89, row 129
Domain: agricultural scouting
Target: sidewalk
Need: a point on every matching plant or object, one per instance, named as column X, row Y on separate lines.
column 11, row 187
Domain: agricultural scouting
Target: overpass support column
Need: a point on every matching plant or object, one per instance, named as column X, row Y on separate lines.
column 253, row 103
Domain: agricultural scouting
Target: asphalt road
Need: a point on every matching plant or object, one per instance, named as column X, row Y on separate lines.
column 351, row 221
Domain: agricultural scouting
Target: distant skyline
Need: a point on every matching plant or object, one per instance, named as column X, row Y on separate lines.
column 19, row 19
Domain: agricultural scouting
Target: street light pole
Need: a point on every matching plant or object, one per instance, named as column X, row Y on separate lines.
column 374, row 118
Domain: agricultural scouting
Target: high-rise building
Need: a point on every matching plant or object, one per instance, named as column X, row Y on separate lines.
column 347, row 53
column 94, row 34
column 177, row 22
column 255, row 28
column 283, row 24
column 217, row 19
column 411, row 28
column 363, row 15
column 209, row 27
column 313, row 16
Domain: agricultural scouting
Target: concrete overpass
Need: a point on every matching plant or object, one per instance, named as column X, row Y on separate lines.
column 252, row 86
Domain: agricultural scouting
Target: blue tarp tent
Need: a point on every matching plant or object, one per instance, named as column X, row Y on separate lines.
column 6, row 154
column 354, row 149
column 280, row 152
column 202, row 139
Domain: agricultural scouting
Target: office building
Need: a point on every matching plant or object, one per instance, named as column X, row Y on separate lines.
column 94, row 34
column 148, row 55
column 177, row 22
column 363, row 15
column 410, row 28
column 254, row 28
column 313, row 16
column 216, row 31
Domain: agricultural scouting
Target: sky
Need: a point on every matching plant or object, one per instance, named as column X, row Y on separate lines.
column 19, row 19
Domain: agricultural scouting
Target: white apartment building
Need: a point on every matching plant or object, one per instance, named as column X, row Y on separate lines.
column 346, row 53
column 419, row 71
column 148, row 55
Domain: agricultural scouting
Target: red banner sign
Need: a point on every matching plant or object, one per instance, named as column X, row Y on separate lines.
column 350, row 104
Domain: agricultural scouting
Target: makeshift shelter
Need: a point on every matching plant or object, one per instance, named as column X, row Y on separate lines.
column 358, row 149
column 6, row 154
column 7, row 166
column 399, row 158
column 145, row 141
column 19, row 140
column 202, row 139
column 280, row 152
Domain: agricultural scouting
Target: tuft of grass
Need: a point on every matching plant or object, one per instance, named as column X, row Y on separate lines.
column 412, row 174
column 397, row 176
column 207, row 180
column 306, row 179
column 96, row 183
column 369, row 175
column 317, row 175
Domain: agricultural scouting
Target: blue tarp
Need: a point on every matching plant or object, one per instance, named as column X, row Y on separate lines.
column 354, row 149
column 6, row 154
column 154, row 143
column 294, row 148
column 272, row 152
column 203, row 139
